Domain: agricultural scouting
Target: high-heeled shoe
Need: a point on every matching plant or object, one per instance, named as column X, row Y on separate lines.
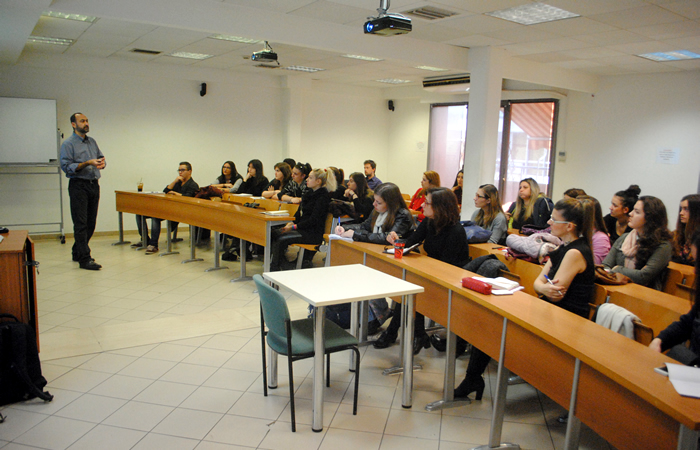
column 384, row 340
column 420, row 342
column 469, row 385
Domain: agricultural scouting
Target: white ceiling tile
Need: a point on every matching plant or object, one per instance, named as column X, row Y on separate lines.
column 478, row 40
column 483, row 6
column 688, row 8
column 642, row 47
column 688, row 43
column 59, row 28
column 648, row 67
column 576, row 64
column 436, row 32
column 617, row 60
column 592, row 52
column 212, row 47
column 548, row 57
column 332, row 12
column 573, row 27
column 612, row 38
column 669, row 30
column 478, row 24
column 272, row 5
column 636, row 17
column 34, row 47
column 593, row 7
column 691, row 64
column 521, row 34
column 120, row 27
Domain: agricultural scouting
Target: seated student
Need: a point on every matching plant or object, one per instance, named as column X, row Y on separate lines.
column 620, row 206
column 390, row 214
column 688, row 223
column 360, row 195
column 229, row 179
column 295, row 189
column 444, row 239
column 283, row 175
column 182, row 185
column 567, row 280
column 687, row 328
column 458, row 186
column 490, row 215
column 290, row 161
column 644, row 253
column 531, row 207
column 600, row 242
column 310, row 219
column 255, row 181
column 370, row 168
column 339, row 192
column 431, row 179
column 573, row 193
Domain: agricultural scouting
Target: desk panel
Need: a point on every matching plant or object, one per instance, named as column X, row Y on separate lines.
column 343, row 255
column 384, row 263
column 433, row 302
column 477, row 324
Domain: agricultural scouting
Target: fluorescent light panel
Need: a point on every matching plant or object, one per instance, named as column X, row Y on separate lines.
column 363, row 58
column 188, row 55
column 432, row 69
column 532, row 13
column 50, row 40
column 675, row 55
column 242, row 40
column 393, row 81
column 303, row 69
column 78, row 17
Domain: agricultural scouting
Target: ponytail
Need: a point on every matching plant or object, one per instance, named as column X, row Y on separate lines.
column 580, row 212
column 327, row 177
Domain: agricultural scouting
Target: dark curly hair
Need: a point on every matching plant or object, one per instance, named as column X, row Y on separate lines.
column 655, row 229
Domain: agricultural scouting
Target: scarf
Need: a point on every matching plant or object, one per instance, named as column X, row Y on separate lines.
column 629, row 249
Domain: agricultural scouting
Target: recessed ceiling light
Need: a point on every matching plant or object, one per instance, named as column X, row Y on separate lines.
column 242, row 40
column 432, row 69
column 303, row 69
column 78, row 17
column 188, row 55
column 50, row 40
column 393, row 81
column 676, row 55
column 363, row 58
column 532, row 13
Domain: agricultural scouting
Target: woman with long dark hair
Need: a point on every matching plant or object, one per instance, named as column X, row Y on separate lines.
column 457, row 187
column 531, row 207
column 687, row 225
column 229, row 179
column 687, row 328
column 490, row 215
column 444, row 239
column 621, row 204
column 360, row 195
column 644, row 253
column 295, row 189
column 600, row 242
column 283, row 175
column 255, row 181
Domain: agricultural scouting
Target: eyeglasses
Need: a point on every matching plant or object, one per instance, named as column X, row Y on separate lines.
column 182, row 170
column 558, row 221
column 481, row 196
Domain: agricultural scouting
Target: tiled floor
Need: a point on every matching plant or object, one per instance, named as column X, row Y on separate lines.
column 149, row 353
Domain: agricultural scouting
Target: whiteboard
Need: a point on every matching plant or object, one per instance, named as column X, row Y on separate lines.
column 28, row 133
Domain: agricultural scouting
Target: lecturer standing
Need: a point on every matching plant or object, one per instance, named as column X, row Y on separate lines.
column 82, row 160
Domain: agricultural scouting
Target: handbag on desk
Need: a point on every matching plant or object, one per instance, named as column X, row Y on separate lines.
column 602, row 276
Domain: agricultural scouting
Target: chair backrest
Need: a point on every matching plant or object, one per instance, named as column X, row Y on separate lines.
column 651, row 314
column 274, row 307
column 642, row 333
column 600, row 295
column 683, row 291
column 268, row 204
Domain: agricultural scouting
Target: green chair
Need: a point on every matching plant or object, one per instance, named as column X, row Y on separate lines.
column 295, row 338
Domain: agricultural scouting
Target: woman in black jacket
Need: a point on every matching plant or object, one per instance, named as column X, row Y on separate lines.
column 310, row 219
column 444, row 239
column 360, row 195
column 254, row 182
column 390, row 214
column 531, row 207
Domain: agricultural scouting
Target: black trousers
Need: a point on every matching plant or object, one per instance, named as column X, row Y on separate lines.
column 84, row 201
column 280, row 242
column 395, row 324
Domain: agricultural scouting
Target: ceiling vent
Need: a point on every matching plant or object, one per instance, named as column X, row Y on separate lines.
column 145, row 52
column 451, row 84
column 430, row 13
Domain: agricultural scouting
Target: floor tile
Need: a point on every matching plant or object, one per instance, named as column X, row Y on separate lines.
column 147, row 368
column 211, row 399
column 403, row 443
column 239, row 430
column 188, row 423
column 104, row 437
column 169, row 352
column 120, row 386
column 79, row 380
column 55, row 433
column 237, row 380
column 369, row 419
column 204, row 445
column 281, row 437
column 91, row 408
column 107, row 362
column 61, row 398
column 165, row 393
column 413, row 424
column 18, row 421
column 259, row 406
column 189, row 374
column 337, row 439
column 159, row 441
column 208, row 357
column 138, row 416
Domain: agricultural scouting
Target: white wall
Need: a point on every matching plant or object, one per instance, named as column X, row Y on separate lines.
column 612, row 138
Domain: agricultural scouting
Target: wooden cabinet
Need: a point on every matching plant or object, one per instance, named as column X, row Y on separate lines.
column 18, row 278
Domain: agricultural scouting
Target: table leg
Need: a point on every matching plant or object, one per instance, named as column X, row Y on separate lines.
column 121, row 240
column 266, row 252
column 193, row 242
column 217, row 248
column 499, row 406
column 169, row 241
column 242, row 251
column 687, row 438
column 319, row 350
column 573, row 425
column 407, row 309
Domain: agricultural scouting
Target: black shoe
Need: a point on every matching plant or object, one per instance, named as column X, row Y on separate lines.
column 467, row 386
column 176, row 240
column 439, row 343
column 90, row 265
column 420, row 342
column 373, row 327
column 384, row 340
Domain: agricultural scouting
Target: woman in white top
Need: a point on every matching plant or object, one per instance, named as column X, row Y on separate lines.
column 490, row 215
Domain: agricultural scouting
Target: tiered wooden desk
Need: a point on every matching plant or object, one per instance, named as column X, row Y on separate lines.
column 604, row 379
column 251, row 225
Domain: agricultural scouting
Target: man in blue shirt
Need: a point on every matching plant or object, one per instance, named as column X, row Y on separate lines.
column 372, row 181
column 82, row 160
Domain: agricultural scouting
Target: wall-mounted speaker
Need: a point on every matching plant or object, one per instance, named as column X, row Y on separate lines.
column 391, row 105
column 203, row 90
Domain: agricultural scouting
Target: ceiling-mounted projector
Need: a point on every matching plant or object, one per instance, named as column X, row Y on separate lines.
column 266, row 55
column 386, row 24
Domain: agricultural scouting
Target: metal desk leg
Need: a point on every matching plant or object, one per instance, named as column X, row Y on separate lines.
column 406, row 317
column 217, row 248
column 449, row 381
column 687, row 438
column 271, row 368
column 573, row 425
column 499, row 407
column 242, row 251
column 407, row 395
column 319, row 322
column 169, row 240
column 193, row 241
column 121, row 240
column 268, row 242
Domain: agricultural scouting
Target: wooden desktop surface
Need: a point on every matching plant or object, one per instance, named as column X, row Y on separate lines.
column 619, row 394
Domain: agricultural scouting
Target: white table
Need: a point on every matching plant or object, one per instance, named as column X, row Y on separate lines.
column 325, row 286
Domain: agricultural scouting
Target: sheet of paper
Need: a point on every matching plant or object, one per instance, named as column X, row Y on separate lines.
column 685, row 379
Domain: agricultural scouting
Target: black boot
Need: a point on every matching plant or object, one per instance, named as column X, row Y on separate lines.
column 469, row 385
column 385, row 339
column 420, row 342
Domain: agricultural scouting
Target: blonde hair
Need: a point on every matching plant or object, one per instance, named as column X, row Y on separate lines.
column 327, row 177
column 520, row 205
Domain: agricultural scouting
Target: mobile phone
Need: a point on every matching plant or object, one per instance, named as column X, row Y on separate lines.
column 661, row 370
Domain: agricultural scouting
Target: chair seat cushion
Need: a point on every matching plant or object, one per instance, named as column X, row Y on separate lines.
column 303, row 338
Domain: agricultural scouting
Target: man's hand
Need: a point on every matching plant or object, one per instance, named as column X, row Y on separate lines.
column 99, row 163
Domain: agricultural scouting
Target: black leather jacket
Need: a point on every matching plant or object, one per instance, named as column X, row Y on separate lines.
column 403, row 226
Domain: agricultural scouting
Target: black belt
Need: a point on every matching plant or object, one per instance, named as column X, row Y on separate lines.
column 84, row 180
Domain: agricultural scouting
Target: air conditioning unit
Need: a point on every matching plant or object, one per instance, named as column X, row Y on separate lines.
column 452, row 84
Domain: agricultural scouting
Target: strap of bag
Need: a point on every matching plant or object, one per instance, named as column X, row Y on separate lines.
column 8, row 316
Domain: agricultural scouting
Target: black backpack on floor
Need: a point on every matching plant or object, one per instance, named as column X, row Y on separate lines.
column 20, row 368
